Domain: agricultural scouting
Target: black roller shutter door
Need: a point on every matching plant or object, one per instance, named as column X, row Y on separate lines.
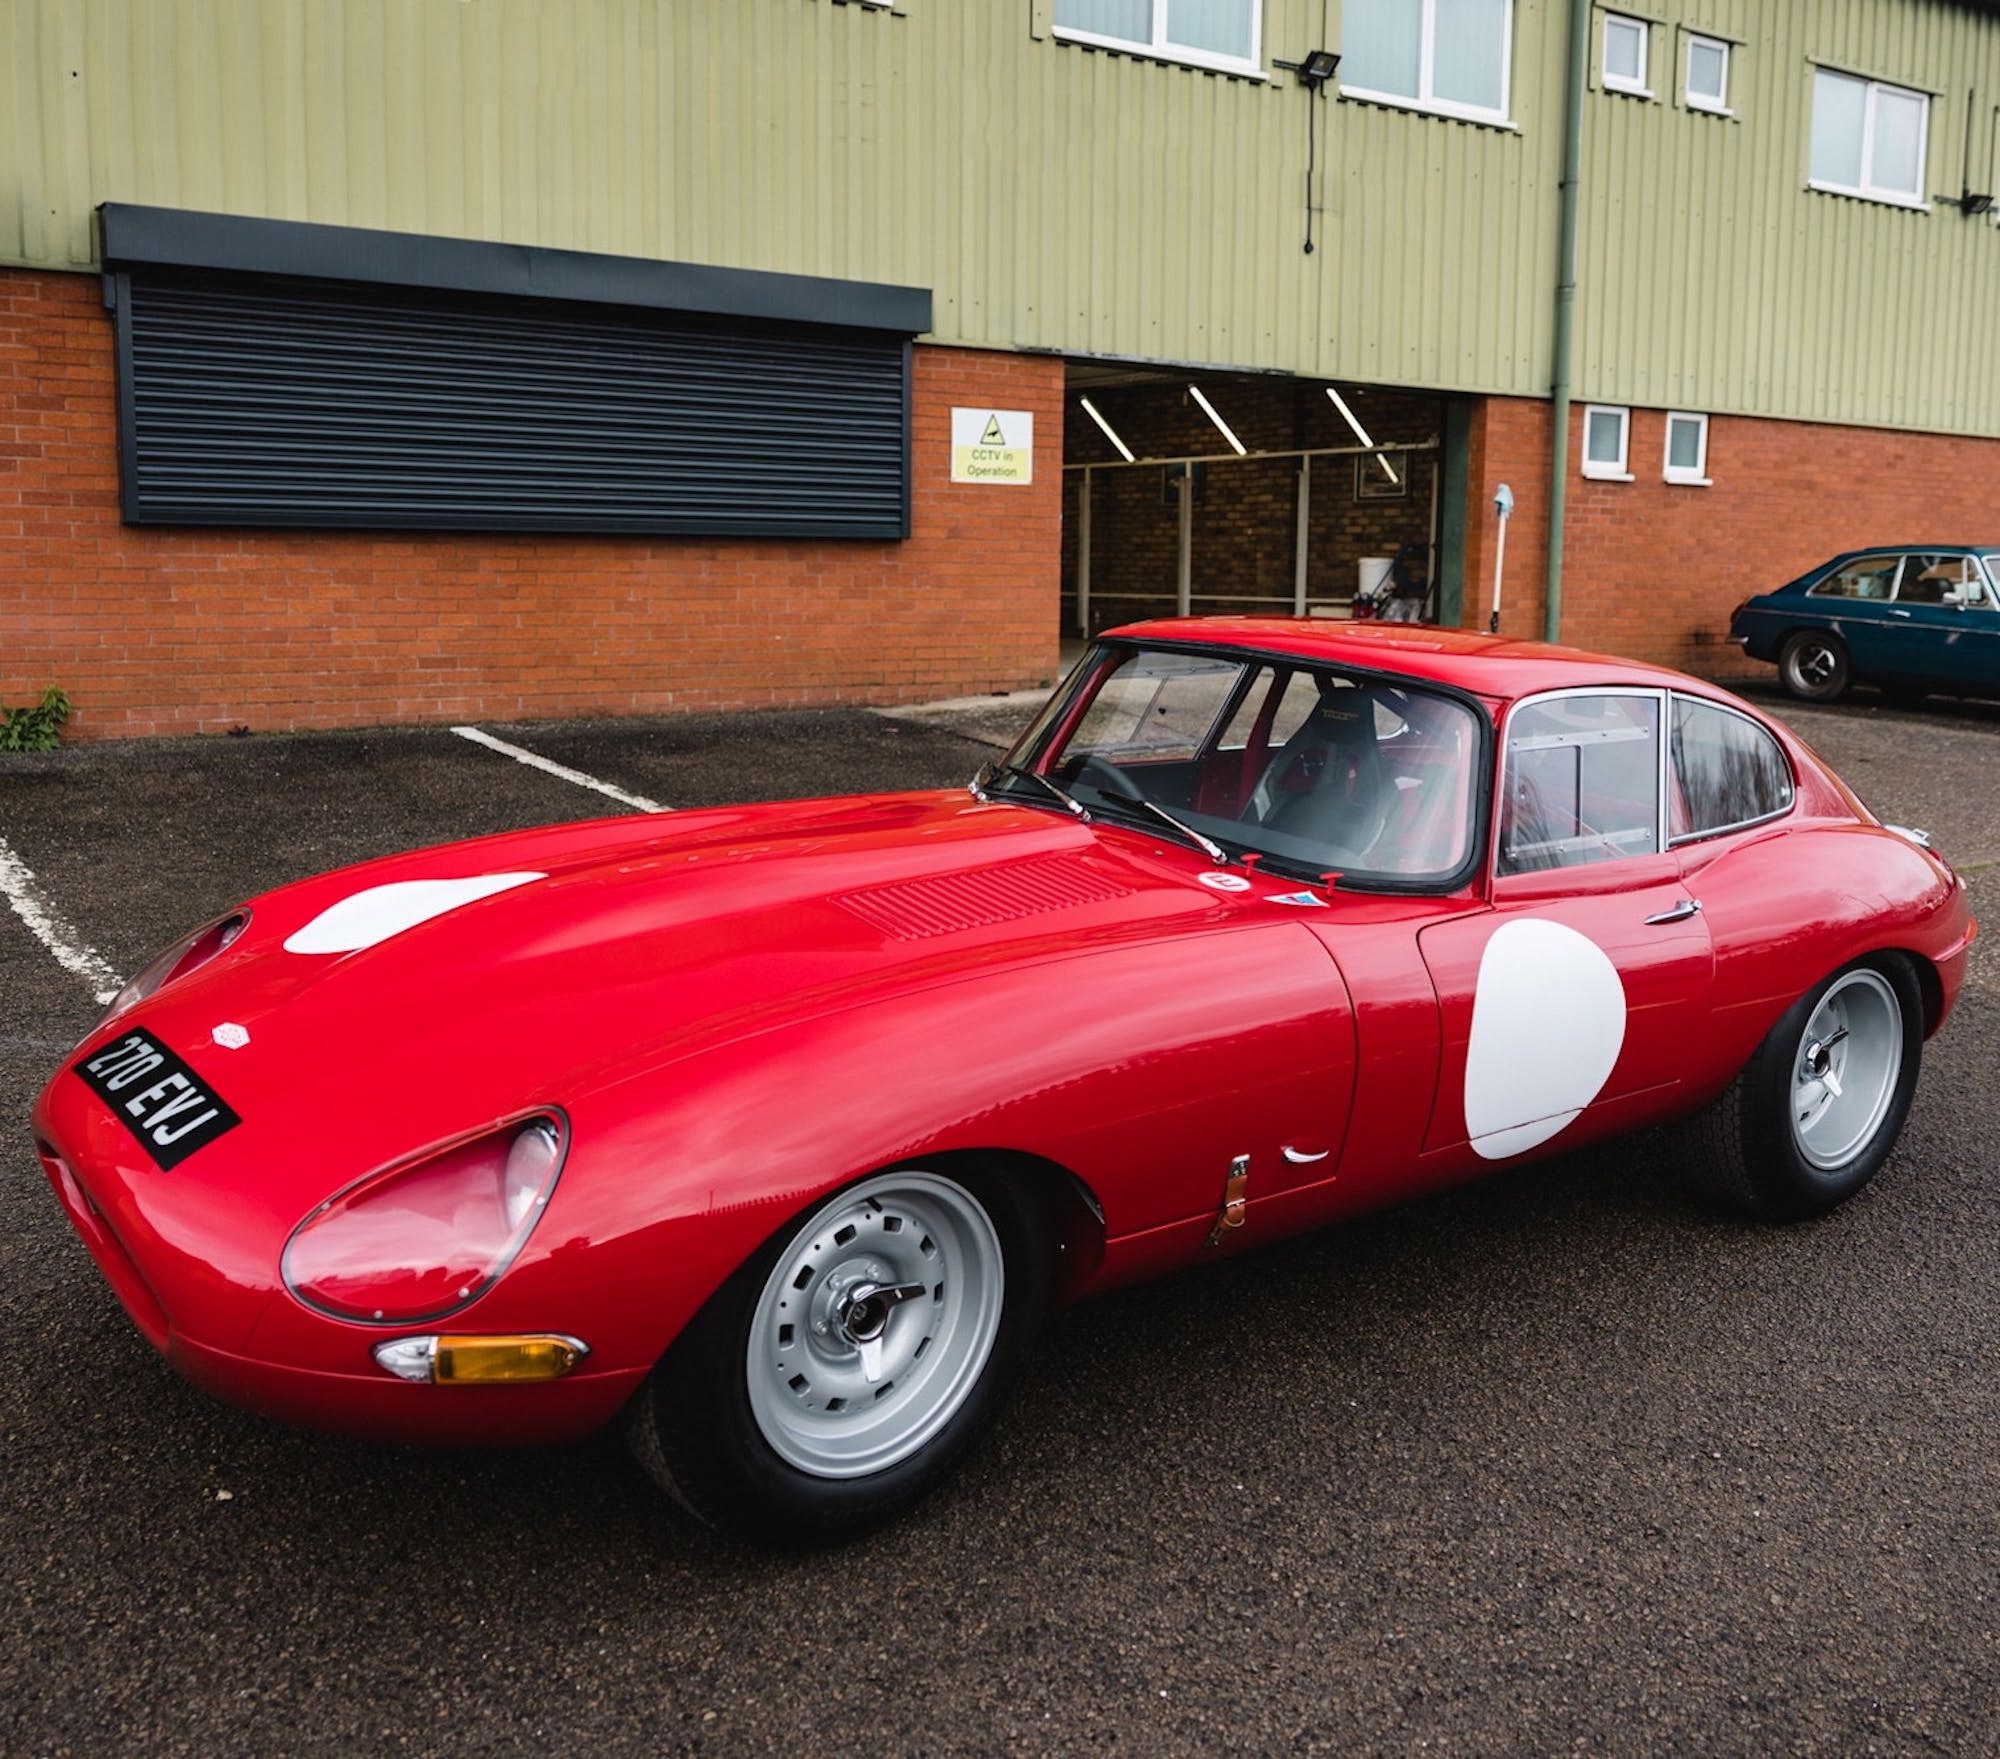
column 273, row 401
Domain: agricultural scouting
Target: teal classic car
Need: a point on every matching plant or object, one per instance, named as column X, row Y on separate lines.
column 1915, row 619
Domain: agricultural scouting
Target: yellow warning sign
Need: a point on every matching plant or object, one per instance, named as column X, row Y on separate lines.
column 992, row 446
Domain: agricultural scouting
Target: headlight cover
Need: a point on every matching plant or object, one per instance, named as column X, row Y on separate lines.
column 187, row 954
column 424, row 1239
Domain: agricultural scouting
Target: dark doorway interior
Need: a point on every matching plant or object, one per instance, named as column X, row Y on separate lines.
column 1237, row 545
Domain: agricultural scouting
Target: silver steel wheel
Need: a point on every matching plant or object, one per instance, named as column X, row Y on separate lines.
column 1845, row 1073
column 1813, row 665
column 875, row 1324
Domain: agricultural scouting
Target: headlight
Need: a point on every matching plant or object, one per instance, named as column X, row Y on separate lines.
column 422, row 1240
column 185, row 955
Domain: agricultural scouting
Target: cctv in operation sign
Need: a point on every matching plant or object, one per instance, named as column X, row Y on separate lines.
column 992, row 446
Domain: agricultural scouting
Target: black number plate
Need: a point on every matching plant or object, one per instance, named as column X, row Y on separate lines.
column 165, row 1104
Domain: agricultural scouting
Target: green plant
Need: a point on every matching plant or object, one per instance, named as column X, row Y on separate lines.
column 34, row 728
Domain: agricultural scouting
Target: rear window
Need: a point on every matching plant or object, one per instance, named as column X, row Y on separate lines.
column 1727, row 771
column 1871, row 577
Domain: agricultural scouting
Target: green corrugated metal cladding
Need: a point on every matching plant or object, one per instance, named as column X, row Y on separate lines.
column 1060, row 197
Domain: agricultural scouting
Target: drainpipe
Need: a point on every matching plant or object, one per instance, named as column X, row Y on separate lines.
column 1572, row 176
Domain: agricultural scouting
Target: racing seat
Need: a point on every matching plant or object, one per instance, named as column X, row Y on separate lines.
column 1327, row 783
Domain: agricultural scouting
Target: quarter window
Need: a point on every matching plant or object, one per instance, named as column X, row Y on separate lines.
column 1727, row 772
column 1869, row 577
column 1708, row 75
column 1210, row 33
column 1687, row 448
column 1451, row 56
column 1868, row 138
column 1625, row 55
column 1606, row 430
column 1582, row 782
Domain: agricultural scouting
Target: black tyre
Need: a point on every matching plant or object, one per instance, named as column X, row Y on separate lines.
column 1813, row 664
column 844, row 1371
column 1819, row 1107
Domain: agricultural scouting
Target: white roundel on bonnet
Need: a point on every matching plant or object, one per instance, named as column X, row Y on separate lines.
column 366, row 918
column 1548, row 1021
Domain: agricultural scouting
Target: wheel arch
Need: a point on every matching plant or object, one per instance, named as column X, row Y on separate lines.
column 1073, row 1211
column 1930, row 983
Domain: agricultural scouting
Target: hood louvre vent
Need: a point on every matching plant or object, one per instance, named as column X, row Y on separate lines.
column 951, row 903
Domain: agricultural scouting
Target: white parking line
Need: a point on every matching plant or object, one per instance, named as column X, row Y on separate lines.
column 548, row 766
column 47, row 924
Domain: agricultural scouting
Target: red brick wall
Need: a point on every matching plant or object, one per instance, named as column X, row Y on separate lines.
column 1652, row 569
column 156, row 630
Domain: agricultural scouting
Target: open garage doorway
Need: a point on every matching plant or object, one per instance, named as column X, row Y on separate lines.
column 1191, row 492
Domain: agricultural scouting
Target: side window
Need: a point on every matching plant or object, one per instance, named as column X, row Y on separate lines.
column 1940, row 580
column 1727, row 771
column 1582, row 782
column 1868, row 577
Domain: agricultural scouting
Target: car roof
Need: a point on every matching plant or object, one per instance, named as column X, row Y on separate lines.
column 1933, row 548
column 1801, row 582
column 1496, row 666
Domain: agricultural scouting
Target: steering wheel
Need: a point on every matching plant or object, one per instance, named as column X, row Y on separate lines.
column 1107, row 778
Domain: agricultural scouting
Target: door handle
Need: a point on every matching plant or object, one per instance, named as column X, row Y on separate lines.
column 1678, row 913
column 1896, row 613
column 1304, row 1157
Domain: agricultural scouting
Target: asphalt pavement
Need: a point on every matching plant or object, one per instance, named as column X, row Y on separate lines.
column 1562, row 1461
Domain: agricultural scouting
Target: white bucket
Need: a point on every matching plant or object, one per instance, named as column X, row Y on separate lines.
column 1372, row 574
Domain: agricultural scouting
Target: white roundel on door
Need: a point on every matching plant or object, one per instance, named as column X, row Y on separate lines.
column 1548, row 1020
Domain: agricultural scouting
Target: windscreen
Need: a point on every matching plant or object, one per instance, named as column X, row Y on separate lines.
column 1316, row 769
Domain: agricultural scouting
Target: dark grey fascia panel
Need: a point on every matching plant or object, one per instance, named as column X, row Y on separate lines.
column 133, row 235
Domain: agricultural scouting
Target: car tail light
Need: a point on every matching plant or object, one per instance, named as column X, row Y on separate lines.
column 187, row 954
column 425, row 1239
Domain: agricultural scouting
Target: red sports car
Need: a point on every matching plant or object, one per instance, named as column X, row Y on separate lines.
column 775, row 1129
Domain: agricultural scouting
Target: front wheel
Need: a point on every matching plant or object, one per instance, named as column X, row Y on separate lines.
column 1814, row 665
column 1815, row 1112
column 845, row 1369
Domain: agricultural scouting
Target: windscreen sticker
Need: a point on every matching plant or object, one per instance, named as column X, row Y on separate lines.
column 169, row 1109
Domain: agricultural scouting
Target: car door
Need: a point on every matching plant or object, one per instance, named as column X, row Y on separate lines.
column 1566, row 1009
column 1942, row 632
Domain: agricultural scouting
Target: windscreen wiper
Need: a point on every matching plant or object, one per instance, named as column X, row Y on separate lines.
column 1069, row 801
column 1207, row 845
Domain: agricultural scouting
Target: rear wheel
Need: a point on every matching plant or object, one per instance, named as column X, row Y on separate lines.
column 1814, row 665
column 843, row 1372
column 1816, row 1111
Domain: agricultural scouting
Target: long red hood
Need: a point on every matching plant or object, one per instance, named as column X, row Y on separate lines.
column 647, row 939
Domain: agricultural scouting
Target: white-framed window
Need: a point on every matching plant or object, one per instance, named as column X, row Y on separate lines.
column 1707, row 84
column 1451, row 56
column 1687, row 448
column 1624, row 65
column 1868, row 138
column 1607, row 431
column 1223, row 34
